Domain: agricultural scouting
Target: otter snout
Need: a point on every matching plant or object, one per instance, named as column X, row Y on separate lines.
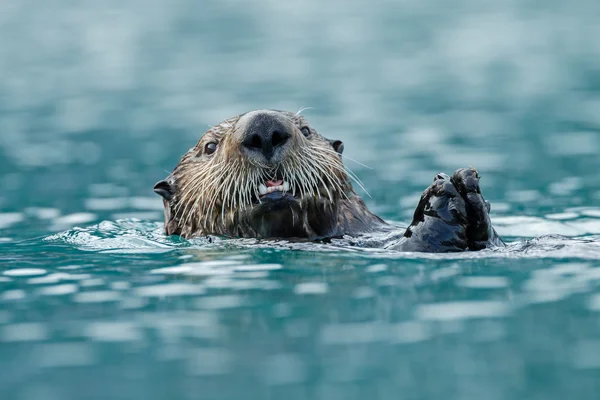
column 265, row 135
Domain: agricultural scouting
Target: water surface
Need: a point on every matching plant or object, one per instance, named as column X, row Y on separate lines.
column 99, row 101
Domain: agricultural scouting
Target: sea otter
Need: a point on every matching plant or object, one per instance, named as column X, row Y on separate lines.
column 269, row 174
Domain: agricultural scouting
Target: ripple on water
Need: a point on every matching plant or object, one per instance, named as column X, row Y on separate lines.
column 563, row 216
column 235, row 283
column 388, row 281
column 575, row 221
column 106, row 204
column 410, row 332
column 98, row 296
column 141, row 215
column 589, row 226
column 228, row 282
column 121, row 236
column 169, row 290
column 57, row 277
column 461, row 310
column 354, row 333
column 586, row 354
column 13, row 295
column 24, row 332
column 5, row 317
column 258, row 267
column 252, row 275
column 74, row 354
column 120, row 285
column 58, row 290
column 106, row 190
column 209, row 361
column 147, row 203
column 178, row 270
column 363, row 292
column 446, row 273
column 43, row 213
column 220, row 302
column 594, row 213
column 25, row 272
column 177, row 324
column 219, row 282
column 91, row 282
column 69, row 220
column 370, row 332
column 483, row 282
column 559, row 281
column 311, row 288
column 593, row 302
column 113, row 331
column 524, row 226
column 203, row 268
column 9, row 219
column 566, row 186
column 375, row 268
column 48, row 279
column 284, row 369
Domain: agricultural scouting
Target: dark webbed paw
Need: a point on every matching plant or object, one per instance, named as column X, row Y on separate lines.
column 452, row 215
column 479, row 228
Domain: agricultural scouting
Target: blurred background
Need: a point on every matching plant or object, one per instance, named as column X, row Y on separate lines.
column 99, row 99
column 112, row 93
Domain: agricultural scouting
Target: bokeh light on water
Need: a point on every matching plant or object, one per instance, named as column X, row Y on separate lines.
column 98, row 100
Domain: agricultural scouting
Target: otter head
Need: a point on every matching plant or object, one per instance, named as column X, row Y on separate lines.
column 264, row 174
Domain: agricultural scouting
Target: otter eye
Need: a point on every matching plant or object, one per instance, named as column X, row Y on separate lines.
column 210, row 148
column 305, row 131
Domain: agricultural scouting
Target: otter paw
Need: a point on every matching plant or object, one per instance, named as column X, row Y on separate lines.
column 452, row 215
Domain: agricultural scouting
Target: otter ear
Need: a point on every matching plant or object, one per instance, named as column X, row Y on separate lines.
column 164, row 189
column 337, row 145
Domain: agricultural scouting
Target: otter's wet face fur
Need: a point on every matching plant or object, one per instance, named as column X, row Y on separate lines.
column 263, row 174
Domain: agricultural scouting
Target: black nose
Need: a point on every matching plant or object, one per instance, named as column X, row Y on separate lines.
column 265, row 134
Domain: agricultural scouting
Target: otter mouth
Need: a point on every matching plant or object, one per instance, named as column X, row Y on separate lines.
column 275, row 190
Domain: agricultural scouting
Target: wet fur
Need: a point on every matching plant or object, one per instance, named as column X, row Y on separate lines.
column 215, row 191
column 213, row 194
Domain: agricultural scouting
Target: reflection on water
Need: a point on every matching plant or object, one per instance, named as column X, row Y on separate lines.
column 99, row 100
column 232, row 320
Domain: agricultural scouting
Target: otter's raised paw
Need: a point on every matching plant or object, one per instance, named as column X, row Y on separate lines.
column 452, row 215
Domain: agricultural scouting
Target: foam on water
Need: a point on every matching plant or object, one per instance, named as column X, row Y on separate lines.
column 532, row 237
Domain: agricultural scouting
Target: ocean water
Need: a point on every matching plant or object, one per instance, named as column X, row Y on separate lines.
column 98, row 100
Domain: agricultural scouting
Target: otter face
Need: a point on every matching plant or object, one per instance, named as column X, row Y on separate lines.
column 262, row 174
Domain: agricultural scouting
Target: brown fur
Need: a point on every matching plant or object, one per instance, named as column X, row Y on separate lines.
column 217, row 194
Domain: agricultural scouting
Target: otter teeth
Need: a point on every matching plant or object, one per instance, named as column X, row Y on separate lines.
column 263, row 189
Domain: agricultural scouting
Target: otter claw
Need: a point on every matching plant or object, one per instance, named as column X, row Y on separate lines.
column 440, row 176
column 452, row 215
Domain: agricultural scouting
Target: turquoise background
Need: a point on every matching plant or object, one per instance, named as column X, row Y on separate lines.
column 98, row 100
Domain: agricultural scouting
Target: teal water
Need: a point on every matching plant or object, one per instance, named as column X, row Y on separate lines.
column 99, row 100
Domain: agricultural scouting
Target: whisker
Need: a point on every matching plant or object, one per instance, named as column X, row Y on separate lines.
column 335, row 181
column 304, row 109
column 346, row 157
column 215, row 193
column 352, row 176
